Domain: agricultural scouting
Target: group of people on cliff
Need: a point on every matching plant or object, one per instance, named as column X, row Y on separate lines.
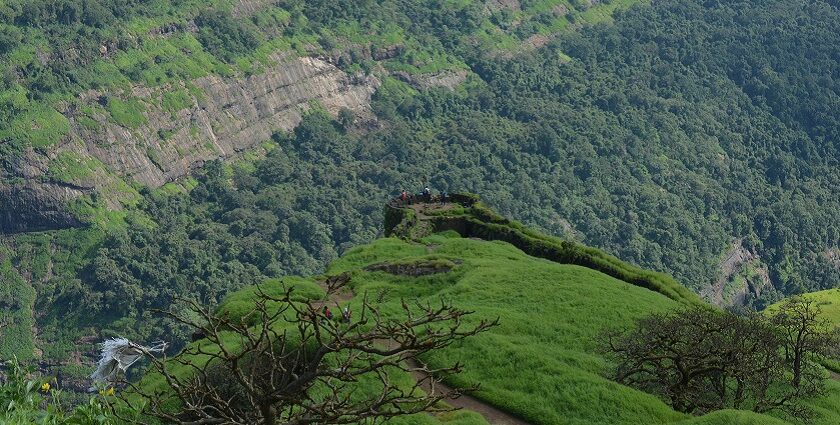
column 425, row 196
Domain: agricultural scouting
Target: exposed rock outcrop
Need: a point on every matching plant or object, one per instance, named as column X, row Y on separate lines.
column 742, row 274
column 513, row 5
column 414, row 269
column 221, row 117
column 35, row 207
column 833, row 256
column 560, row 10
column 29, row 201
column 245, row 8
column 230, row 116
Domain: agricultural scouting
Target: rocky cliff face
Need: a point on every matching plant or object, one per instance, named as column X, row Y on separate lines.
column 248, row 7
column 217, row 117
column 742, row 274
column 28, row 202
column 35, row 207
column 227, row 116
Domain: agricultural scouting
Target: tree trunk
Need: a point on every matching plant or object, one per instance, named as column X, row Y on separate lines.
column 739, row 393
column 267, row 414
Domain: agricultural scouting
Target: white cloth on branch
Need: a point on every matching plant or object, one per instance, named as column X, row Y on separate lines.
column 118, row 354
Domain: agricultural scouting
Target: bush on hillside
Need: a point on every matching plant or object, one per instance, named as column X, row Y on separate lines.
column 28, row 398
column 224, row 36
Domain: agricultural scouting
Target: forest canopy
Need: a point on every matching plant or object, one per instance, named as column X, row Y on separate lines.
column 667, row 137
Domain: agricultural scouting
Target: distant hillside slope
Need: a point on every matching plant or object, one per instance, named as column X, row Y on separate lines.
column 101, row 95
column 828, row 302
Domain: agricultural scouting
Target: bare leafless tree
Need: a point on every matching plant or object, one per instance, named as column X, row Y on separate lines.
column 286, row 362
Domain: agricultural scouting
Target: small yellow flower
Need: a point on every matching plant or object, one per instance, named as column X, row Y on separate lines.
column 110, row 391
column 102, row 392
column 45, row 387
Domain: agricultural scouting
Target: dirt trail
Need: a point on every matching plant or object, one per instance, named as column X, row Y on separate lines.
column 491, row 414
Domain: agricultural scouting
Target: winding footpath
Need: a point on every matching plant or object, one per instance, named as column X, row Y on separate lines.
column 491, row 414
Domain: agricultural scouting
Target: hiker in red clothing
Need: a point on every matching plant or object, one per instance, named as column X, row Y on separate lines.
column 328, row 313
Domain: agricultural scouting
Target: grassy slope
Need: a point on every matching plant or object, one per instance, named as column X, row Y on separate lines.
column 828, row 301
column 541, row 363
column 240, row 304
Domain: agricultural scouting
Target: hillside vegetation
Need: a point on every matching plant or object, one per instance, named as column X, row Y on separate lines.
column 52, row 51
column 541, row 363
column 664, row 137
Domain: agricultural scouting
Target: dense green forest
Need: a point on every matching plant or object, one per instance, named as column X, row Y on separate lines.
column 53, row 50
column 660, row 137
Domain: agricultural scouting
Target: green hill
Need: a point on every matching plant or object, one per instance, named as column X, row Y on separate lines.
column 542, row 363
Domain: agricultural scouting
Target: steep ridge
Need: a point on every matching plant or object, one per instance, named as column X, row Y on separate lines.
column 471, row 218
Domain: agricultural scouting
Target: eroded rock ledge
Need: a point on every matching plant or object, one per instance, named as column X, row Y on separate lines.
column 35, row 207
column 417, row 268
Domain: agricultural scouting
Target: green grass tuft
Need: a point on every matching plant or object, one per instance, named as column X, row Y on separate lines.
column 127, row 113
